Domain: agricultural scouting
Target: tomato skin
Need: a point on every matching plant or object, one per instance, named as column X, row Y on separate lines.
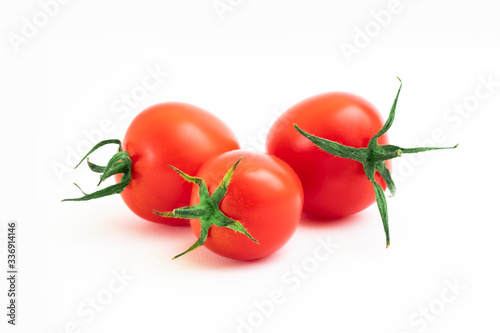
column 264, row 195
column 334, row 187
column 177, row 134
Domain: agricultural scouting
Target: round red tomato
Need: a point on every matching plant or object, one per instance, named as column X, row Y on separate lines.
column 334, row 187
column 166, row 134
column 264, row 195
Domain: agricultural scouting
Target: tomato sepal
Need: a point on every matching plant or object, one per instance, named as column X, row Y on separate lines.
column 373, row 158
column 119, row 163
column 207, row 211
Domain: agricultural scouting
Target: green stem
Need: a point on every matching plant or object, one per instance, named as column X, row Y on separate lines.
column 207, row 211
column 119, row 163
column 373, row 158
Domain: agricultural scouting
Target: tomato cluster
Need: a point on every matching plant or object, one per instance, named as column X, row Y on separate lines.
column 327, row 156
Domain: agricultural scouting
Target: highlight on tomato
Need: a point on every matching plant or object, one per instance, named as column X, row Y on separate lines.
column 164, row 134
column 337, row 144
column 246, row 205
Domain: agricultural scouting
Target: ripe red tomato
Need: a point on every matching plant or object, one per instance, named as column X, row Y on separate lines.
column 264, row 195
column 170, row 134
column 334, row 187
column 164, row 134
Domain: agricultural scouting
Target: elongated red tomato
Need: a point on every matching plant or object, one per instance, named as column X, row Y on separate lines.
column 264, row 195
column 170, row 134
column 334, row 187
column 164, row 134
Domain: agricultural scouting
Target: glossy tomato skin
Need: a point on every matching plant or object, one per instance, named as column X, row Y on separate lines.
column 334, row 187
column 264, row 195
column 177, row 134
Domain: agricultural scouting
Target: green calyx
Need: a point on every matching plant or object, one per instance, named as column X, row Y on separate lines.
column 207, row 211
column 119, row 163
column 373, row 159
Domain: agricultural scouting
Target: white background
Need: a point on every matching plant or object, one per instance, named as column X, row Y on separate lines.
column 247, row 65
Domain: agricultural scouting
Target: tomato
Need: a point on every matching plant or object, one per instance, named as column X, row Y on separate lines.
column 166, row 134
column 341, row 153
column 264, row 196
column 334, row 187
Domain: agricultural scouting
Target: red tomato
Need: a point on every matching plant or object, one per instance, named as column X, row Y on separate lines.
column 334, row 187
column 170, row 134
column 264, row 195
